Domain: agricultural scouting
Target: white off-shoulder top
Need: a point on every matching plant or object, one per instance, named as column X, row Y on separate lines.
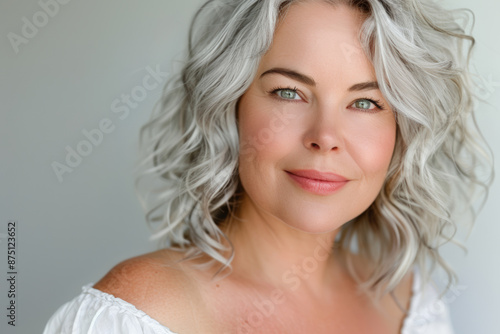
column 97, row 312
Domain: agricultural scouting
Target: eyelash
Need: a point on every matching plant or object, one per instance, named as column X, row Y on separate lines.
column 273, row 92
column 377, row 103
column 277, row 89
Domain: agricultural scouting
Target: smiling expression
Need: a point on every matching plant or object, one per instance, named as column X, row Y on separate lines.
column 316, row 134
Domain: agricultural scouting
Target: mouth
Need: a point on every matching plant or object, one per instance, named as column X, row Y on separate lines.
column 317, row 182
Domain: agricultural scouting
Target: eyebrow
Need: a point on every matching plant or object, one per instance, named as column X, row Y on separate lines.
column 364, row 86
column 310, row 81
column 292, row 75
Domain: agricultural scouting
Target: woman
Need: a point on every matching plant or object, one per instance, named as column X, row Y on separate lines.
column 306, row 152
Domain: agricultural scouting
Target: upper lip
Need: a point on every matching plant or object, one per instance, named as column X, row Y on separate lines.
column 317, row 175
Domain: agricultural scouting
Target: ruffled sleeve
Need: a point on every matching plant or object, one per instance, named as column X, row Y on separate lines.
column 428, row 313
column 96, row 312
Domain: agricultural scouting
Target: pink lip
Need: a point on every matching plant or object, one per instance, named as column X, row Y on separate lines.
column 318, row 182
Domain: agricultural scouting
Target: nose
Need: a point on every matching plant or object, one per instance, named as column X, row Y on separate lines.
column 324, row 133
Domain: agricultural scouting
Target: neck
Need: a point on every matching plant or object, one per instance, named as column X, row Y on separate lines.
column 268, row 252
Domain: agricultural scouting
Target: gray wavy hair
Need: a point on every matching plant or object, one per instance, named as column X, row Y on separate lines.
column 420, row 54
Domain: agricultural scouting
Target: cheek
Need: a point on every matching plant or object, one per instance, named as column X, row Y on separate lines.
column 263, row 144
column 371, row 144
column 264, row 130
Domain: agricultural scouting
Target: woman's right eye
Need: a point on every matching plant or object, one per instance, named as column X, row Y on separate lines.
column 287, row 94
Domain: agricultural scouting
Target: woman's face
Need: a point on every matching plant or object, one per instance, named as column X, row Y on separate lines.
column 314, row 105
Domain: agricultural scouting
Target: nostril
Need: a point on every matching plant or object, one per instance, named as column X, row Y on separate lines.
column 316, row 146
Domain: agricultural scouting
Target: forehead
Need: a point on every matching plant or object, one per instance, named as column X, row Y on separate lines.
column 319, row 38
column 322, row 14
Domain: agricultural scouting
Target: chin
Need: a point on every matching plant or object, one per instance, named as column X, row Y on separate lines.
column 314, row 222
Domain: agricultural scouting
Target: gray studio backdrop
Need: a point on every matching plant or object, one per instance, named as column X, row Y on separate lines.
column 69, row 75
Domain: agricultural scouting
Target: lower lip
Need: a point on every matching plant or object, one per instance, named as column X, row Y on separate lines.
column 317, row 186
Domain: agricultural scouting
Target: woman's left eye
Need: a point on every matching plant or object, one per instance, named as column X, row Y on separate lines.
column 365, row 104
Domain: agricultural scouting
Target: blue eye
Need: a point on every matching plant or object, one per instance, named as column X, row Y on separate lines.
column 362, row 104
column 288, row 94
column 366, row 104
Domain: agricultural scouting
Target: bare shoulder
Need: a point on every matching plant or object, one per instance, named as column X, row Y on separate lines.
column 153, row 284
column 140, row 272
